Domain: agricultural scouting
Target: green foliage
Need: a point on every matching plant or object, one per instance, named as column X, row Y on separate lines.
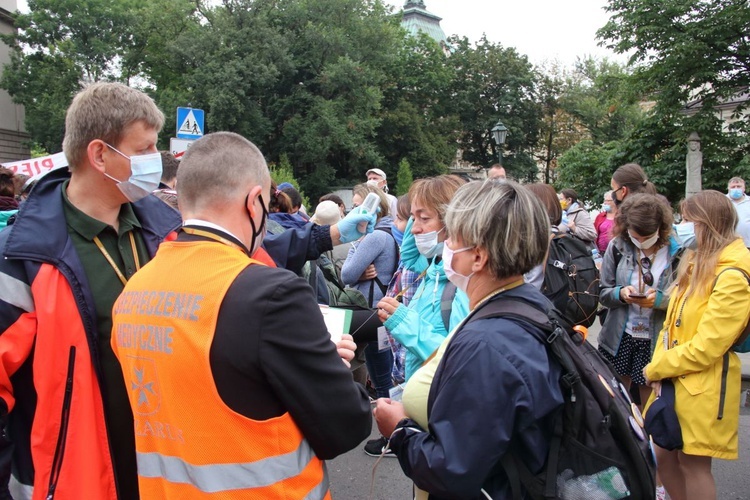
column 493, row 83
column 284, row 172
column 404, row 178
column 37, row 151
column 587, row 168
column 689, row 56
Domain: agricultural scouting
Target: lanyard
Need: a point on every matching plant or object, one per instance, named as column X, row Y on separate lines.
column 112, row 262
column 215, row 237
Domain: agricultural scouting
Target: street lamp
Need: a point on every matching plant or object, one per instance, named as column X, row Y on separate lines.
column 499, row 131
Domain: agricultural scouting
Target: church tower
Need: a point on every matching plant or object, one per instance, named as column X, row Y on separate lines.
column 417, row 18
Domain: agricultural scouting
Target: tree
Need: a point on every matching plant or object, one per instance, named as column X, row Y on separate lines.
column 493, row 83
column 404, row 178
column 587, row 168
column 684, row 52
column 61, row 45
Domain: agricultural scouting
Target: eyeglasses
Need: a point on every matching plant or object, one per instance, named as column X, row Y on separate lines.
column 648, row 278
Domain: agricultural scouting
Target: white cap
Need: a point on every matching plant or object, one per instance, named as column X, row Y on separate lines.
column 377, row 171
column 327, row 213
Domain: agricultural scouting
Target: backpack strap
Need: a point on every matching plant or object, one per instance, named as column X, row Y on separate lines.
column 518, row 472
column 446, row 304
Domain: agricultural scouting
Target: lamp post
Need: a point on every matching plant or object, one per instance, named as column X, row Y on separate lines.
column 499, row 132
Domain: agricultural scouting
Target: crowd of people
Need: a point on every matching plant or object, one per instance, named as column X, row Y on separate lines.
column 165, row 324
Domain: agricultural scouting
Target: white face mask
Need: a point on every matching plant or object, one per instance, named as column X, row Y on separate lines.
column 145, row 174
column 644, row 245
column 461, row 281
column 427, row 243
column 686, row 234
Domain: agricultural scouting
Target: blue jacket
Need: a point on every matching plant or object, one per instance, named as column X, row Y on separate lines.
column 495, row 385
column 419, row 327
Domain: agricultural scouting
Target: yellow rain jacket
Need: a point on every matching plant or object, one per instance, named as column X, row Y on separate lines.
column 707, row 383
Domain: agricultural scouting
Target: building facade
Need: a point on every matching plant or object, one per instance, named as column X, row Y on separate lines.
column 14, row 141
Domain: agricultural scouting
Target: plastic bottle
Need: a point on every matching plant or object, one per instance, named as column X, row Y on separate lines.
column 597, row 257
column 370, row 206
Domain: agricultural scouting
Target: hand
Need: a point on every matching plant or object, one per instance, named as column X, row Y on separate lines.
column 347, row 230
column 369, row 274
column 387, row 415
column 647, row 302
column 654, row 384
column 625, row 294
column 346, row 348
column 571, row 226
column 386, row 307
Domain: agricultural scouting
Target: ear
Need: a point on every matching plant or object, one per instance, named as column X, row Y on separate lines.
column 480, row 258
column 95, row 152
column 251, row 198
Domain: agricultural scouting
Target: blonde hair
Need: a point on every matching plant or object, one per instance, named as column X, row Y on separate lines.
column 505, row 219
column 715, row 221
column 362, row 190
column 435, row 192
column 104, row 111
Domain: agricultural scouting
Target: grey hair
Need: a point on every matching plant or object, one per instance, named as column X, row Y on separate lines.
column 609, row 193
column 736, row 179
column 218, row 169
column 104, row 110
column 506, row 220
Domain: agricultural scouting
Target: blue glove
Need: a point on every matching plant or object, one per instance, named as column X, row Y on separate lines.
column 348, row 226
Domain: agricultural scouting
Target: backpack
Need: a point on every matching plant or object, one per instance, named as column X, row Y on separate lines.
column 338, row 295
column 599, row 448
column 742, row 344
column 571, row 280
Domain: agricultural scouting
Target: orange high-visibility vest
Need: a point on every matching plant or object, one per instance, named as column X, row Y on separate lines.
column 189, row 444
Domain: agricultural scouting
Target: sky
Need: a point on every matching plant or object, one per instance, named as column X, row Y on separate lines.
column 544, row 30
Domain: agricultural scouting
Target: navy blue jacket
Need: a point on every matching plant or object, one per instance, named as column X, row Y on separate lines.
column 495, row 384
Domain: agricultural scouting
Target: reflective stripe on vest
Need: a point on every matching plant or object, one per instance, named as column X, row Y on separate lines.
column 189, row 443
column 223, row 477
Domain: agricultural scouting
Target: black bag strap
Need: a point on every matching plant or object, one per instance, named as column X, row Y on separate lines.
column 446, row 304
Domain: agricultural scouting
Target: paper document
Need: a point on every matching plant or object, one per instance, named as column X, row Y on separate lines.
column 338, row 321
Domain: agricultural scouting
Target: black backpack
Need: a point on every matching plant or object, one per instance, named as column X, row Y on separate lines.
column 571, row 280
column 599, row 446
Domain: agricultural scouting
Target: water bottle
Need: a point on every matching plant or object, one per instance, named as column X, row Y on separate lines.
column 597, row 257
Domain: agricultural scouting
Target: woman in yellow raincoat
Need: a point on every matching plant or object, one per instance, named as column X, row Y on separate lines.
column 707, row 312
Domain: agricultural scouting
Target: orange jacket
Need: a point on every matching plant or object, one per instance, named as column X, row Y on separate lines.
column 49, row 367
column 162, row 334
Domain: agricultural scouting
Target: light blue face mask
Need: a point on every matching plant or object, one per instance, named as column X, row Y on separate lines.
column 145, row 174
column 686, row 234
column 735, row 193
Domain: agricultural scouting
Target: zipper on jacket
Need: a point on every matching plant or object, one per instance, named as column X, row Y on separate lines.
column 723, row 393
column 64, row 420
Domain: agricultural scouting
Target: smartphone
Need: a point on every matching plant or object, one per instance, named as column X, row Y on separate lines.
column 370, row 205
column 637, row 295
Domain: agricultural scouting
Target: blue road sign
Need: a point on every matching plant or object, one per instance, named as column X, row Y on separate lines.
column 189, row 123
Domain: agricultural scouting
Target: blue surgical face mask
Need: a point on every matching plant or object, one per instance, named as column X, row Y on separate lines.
column 607, row 208
column 686, row 234
column 145, row 174
column 735, row 193
column 398, row 235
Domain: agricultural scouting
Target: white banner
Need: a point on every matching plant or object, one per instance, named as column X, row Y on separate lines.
column 36, row 167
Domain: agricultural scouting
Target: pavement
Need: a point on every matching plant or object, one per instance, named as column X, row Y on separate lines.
column 354, row 475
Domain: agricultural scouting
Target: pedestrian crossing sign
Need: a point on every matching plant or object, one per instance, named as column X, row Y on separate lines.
column 189, row 123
